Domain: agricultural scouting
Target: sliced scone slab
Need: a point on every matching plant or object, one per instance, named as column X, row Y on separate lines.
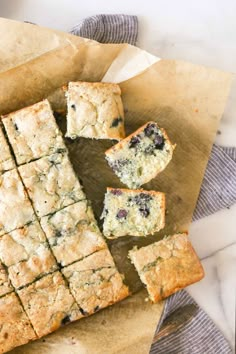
column 49, row 304
column 133, row 212
column 141, row 156
column 167, row 266
column 51, row 183
column 6, row 160
column 95, row 282
column 26, row 254
column 95, row 110
column 5, row 285
column 73, row 233
column 33, row 132
column 15, row 207
column 15, row 327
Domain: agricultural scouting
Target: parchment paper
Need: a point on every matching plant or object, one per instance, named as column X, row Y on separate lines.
column 187, row 100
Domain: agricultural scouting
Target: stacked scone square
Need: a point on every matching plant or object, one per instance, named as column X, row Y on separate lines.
column 46, row 226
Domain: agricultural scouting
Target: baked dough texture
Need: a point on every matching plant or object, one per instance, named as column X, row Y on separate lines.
column 133, row 212
column 49, row 304
column 73, row 233
column 141, row 156
column 95, row 110
column 15, row 327
column 33, row 132
column 26, row 254
column 95, row 282
column 15, row 207
column 6, row 160
column 167, row 266
column 5, row 285
column 51, row 183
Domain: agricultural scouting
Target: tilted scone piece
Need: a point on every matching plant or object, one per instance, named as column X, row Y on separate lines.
column 95, row 282
column 95, row 110
column 49, row 304
column 73, row 233
column 141, row 156
column 15, row 207
column 6, row 160
column 15, row 327
column 167, row 266
column 133, row 212
column 26, row 254
column 5, row 284
column 33, row 132
column 51, row 183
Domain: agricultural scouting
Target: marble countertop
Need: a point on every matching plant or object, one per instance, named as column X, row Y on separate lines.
column 201, row 32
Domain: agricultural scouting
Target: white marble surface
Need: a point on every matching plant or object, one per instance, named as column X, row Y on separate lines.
column 200, row 31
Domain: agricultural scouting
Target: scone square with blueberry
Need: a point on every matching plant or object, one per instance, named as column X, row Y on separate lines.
column 95, row 110
column 6, row 160
column 15, row 207
column 51, row 183
column 26, row 254
column 167, row 266
column 95, row 282
column 33, row 132
column 49, row 304
column 73, row 233
column 15, row 327
column 130, row 212
column 141, row 156
column 5, row 285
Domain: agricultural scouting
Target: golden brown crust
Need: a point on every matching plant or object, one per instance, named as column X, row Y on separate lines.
column 167, row 266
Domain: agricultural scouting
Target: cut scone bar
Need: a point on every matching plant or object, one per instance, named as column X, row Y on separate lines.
column 49, row 304
column 95, row 110
column 15, row 327
column 33, row 132
column 133, row 212
column 51, row 183
column 73, row 233
column 141, row 156
column 167, row 266
column 95, row 282
column 6, row 160
column 26, row 254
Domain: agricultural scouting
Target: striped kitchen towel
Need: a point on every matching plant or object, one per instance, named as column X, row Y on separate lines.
column 218, row 190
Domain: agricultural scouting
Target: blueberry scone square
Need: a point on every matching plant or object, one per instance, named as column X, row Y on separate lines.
column 15, row 206
column 95, row 282
column 26, row 254
column 5, row 284
column 95, row 110
column 130, row 212
column 73, row 233
column 49, row 304
column 6, row 160
column 33, row 132
column 141, row 156
column 167, row 266
column 15, row 327
column 51, row 183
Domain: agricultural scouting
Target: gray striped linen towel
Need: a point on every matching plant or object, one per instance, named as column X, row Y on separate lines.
column 218, row 190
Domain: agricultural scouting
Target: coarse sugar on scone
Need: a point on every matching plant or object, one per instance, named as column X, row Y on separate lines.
column 6, row 160
column 15, row 327
column 49, row 304
column 167, row 266
column 73, row 233
column 95, row 110
column 95, row 282
column 15, row 207
column 141, row 156
column 26, row 254
column 33, row 132
column 130, row 212
column 51, row 183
